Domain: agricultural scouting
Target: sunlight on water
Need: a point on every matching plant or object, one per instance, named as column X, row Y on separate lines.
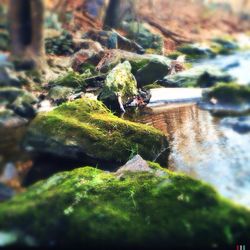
column 237, row 65
column 207, row 149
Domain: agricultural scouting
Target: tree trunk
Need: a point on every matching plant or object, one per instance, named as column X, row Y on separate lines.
column 112, row 19
column 26, row 30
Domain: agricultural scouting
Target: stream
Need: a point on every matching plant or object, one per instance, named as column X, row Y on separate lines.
column 212, row 149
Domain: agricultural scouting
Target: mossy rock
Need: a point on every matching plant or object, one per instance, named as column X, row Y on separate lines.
column 151, row 72
column 121, row 81
column 86, row 128
column 137, row 61
column 60, row 93
column 89, row 207
column 231, row 93
column 226, row 45
column 199, row 76
column 196, row 51
column 72, row 79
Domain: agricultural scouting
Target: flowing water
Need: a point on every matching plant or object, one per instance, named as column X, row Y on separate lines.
column 237, row 65
column 211, row 149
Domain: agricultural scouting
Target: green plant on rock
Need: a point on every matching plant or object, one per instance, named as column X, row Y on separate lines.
column 72, row 79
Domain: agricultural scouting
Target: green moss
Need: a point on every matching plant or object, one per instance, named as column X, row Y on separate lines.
column 89, row 207
column 120, row 80
column 72, row 79
column 231, row 93
column 86, row 127
column 152, row 86
column 174, row 55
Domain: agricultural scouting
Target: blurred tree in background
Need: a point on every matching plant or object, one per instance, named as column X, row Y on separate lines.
column 26, row 31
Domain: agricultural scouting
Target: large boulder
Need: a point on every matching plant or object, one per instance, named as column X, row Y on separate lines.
column 85, row 129
column 199, row 76
column 89, row 207
column 151, row 72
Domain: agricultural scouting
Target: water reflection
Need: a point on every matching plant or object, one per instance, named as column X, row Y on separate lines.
column 204, row 148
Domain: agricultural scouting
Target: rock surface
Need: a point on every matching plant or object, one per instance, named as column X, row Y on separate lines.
column 141, row 209
column 119, row 82
column 85, row 128
column 200, row 76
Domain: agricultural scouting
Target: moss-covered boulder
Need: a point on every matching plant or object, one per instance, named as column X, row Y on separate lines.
column 151, row 72
column 85, row 128
column 89, row 207
column 227, row 99
column 72, row 79
column 199, row 76
column 231, row 93
column 119, row 82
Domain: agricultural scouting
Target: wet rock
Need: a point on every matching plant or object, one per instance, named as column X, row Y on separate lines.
column 200, row 76
column 8, row 119
column 119, row 82
column 238, row 124
column 8, row 77
column 85, row 128
column 140, row 32
column 148, row 209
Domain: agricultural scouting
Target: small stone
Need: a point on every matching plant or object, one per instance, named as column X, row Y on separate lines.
column 136, row 164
